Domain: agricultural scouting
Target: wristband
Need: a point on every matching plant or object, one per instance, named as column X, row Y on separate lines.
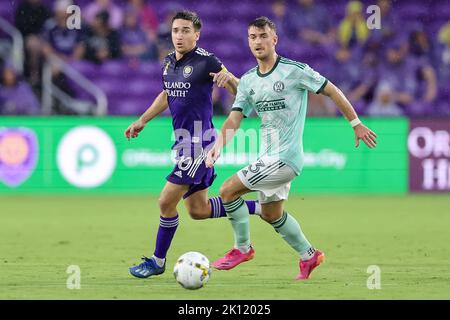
column 355, row 122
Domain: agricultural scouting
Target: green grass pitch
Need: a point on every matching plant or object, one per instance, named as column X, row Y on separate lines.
column 407, row 237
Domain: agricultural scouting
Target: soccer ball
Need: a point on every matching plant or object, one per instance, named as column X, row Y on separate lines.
column 192, row 270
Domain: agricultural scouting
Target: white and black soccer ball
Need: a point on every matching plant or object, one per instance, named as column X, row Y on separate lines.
column 192, row 270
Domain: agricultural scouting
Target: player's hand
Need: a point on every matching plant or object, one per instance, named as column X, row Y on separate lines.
column 365, row 134
column 212, row 157
column 221, row 78
column 134, row 129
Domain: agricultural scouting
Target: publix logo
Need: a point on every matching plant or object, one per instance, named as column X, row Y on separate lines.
column 86, row 157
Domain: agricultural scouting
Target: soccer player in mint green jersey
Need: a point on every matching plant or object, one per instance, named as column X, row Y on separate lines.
column 277, row 88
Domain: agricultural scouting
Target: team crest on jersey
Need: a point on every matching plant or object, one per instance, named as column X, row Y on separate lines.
column 187, row 71
column 278, row 86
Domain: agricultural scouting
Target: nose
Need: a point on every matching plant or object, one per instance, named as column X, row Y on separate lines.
column 178, row 35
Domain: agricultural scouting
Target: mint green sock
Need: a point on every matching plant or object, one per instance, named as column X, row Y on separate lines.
column 238, row 214
column 290, row 231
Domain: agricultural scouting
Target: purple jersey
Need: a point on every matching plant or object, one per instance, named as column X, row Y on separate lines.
column 189, row 89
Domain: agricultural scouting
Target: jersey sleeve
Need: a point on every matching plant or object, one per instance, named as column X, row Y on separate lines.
column 310, row 79
column 214, row 64
column 242, row 102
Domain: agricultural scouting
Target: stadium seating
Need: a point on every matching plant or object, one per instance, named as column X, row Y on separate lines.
column 224, row 34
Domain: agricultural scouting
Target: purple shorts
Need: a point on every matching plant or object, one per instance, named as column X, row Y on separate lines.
column 193, row 173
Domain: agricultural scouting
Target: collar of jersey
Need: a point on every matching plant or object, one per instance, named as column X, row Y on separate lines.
column 185, row 56
column 271, row 70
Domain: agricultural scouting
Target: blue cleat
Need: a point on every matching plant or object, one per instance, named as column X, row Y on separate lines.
column 147, row 268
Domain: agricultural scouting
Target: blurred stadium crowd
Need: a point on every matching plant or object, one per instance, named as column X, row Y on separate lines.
column 403, row 68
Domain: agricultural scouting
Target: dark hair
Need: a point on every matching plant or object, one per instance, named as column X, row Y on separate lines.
column 261, row 22
column 190, row 16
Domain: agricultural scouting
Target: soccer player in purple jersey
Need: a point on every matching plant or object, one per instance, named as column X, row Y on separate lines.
column 188, row 77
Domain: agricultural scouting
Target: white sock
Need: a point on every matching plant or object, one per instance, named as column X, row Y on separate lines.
column 308, row 254
column 159, row 261
column 243, row 249
column 257, row 208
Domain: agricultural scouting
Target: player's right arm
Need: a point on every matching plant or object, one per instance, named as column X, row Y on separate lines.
column 159, row 105
column 227, row 132
column 242, row 107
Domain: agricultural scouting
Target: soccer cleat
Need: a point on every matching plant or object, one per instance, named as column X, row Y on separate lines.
column 233, row 258
column 147, row 268
column 306, row 267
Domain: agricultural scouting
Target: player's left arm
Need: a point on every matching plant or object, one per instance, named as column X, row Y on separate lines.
column 225, row 79
column 361, row 131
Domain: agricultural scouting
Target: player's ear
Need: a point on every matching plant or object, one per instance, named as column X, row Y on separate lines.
column 197, row 35
column 275, row 40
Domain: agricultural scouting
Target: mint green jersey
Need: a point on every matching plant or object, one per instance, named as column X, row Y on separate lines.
column 280, row 98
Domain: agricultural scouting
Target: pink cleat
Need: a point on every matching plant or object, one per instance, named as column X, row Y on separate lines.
column 306, row 267
column 233, row 258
